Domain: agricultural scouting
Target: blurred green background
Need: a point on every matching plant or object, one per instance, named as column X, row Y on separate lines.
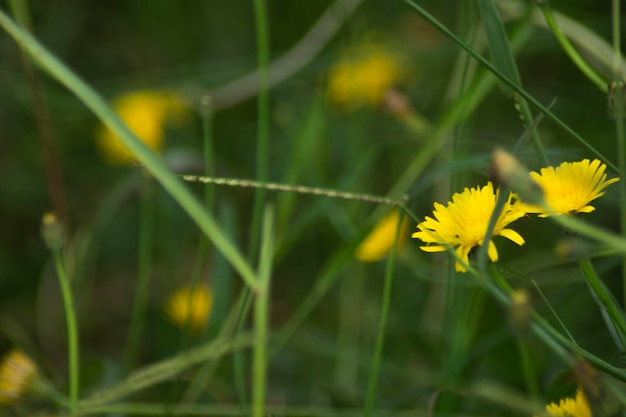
column 196, row 47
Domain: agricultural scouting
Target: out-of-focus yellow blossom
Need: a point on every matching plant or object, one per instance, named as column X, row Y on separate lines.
column 379, row 241
column 570, row 187
column 146, row 113
column 191, row 308
column 463, row 223
column 363, row 76
column 569, row 407
column 17, row 373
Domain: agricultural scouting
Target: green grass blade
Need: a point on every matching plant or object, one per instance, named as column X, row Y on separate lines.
column 443, row 29
column 144, row 155
column 498, row 43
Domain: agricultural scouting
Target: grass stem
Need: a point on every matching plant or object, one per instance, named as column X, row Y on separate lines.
column 569, row 49
column 72, row 330
column 261, row 317
column 605, row 299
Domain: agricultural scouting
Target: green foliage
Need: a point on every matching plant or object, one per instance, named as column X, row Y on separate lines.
column 270, row 138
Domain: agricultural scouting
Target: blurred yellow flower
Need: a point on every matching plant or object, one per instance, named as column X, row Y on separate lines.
column 570, row 187
column 191, row 308
column 379, row 241
column 146, row 113
column 569, row 407
column 462, row 224
column 363, row 77
column 17, row 373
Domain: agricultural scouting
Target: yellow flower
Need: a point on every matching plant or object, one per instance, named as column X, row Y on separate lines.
column 570, row 407
column 17, row 373
column 462, row 224
column 190, row 308
column 363, row 78
column 570, row 187
column 146, row 113
column 379, row 241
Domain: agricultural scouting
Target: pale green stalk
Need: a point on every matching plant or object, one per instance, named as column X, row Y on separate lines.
column 72, row 330
column 141, row 152
column 262, row 171
column 382, row 324
column 261, row 316
column 569, row 49
column 206, row 111
column 618, row 112
column 262, row 151
column 605, row 299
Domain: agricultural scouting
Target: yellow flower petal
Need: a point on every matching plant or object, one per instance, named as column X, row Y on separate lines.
column 462, row 223
column 379, row 241
column 570, row 407
column 146, row 113
column 570, row 187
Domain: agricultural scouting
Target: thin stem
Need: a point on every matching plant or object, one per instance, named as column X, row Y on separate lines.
column 262, row 151
column 621, row 160
column 207, row 148
column 300, row 189
column 527, row 115
column 617, row 48
column 569, row 49
column 72, row 330
column 605, row 299
column 618, row 91
column 261, row 317
column 239, row 369
column 144, row 262
column 382, row 324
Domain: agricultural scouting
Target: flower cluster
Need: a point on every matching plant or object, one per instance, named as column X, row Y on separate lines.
column 146, row 113
column 462, row 224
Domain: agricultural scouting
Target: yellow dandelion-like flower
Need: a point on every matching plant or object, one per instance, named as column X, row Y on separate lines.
column 191, row 308
column 462, row 224
column 569, row 407
column 570, row 187
column 363, row 78
column 146, row 113
column 17, row 372
column 379, row 241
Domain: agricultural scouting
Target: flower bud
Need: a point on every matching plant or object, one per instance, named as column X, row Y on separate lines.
column 18, row 373
column 52, row 232
column 520, row 311
column 509, row 171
